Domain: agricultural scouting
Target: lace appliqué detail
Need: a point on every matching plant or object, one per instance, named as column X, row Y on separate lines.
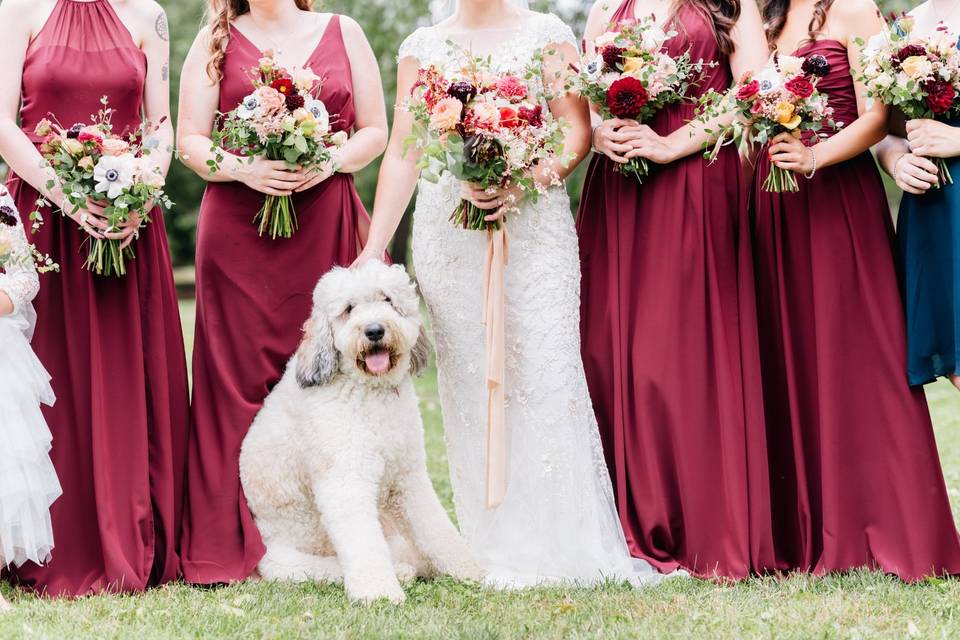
column 18, row 277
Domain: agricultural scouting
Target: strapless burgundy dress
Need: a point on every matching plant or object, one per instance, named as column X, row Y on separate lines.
column 670, row 344
column 113, row 345
column 856, row 476
column 253, row 296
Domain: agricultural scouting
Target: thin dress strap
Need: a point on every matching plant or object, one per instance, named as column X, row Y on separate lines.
column 625, row 12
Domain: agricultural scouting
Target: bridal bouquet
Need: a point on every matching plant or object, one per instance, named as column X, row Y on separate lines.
column 483, row 127
column 92, row 162
column 283, row 119
column 783, row 97
column 919, row 76
column 633, row 78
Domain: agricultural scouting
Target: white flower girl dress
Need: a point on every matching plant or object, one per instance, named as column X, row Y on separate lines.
column 28, row 481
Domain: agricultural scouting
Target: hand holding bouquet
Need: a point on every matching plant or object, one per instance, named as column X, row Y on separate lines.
column 783, row 98
column 93, row 164
column 919, row 76
column 632, row 78
column 486, row 128
column 284, row 120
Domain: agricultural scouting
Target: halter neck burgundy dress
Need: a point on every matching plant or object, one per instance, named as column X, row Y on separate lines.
column 670, row 344
column 253, row 297
column 857, row 479
column 113, row 345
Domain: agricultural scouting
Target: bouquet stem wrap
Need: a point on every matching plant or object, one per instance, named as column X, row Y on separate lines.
column 493, row 321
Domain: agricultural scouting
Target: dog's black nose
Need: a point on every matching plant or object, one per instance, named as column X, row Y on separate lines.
column 374, row 332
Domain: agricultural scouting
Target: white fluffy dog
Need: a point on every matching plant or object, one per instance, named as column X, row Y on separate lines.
column 334, row 466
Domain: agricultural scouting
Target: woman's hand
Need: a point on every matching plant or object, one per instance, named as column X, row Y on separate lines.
column 648, row 144
column 932, row 139
column 317, row 175
column 271, row 177
column 787, row 151
column 497, row 200
column 613, row 139
column 369, row 254
column 914, row 174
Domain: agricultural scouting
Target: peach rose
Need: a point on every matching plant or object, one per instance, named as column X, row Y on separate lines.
column 916, row 67
column 446, row 114
column 114, row 147
column 271, row 101
column 486, row 114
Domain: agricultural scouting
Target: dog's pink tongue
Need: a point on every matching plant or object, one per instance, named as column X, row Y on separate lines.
column 378, row 362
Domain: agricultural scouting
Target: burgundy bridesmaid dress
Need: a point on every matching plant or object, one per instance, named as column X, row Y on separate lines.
column 670, row 345
column 253, row 296
column 113, row 345
column 856, row 477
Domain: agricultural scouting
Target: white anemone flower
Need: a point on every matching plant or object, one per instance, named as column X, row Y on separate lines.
column 113, row 174
column 249, row 107
column 319, row 112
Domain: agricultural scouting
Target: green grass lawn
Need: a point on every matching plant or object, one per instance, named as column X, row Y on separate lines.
column 860, row 605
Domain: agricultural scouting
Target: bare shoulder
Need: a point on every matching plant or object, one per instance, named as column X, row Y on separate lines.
column 30, row 14
column 855, row 10
column 150, row 17
column 349, row 27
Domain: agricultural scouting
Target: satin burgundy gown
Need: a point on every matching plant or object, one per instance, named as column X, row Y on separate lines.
column 856, row 476
column 113, row 345
column 253, row 297
column 670, row 344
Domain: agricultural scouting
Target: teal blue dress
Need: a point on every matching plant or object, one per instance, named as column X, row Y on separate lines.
column 929, row 231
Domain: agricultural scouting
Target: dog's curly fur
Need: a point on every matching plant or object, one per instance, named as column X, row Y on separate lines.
column 334, row 466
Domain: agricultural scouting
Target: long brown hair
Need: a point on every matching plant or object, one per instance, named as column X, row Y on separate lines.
column 220, row 13
column 723, row 16
column 775, row 18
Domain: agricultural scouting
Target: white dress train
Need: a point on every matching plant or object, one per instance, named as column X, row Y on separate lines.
column 28, row 481
column 558, row 521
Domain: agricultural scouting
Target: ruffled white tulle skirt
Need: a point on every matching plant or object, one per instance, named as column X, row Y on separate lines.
column 28, row 481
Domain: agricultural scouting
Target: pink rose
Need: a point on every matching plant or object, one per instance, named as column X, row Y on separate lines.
column 445, row 115
column 271, row 101
column 486, row 115
column 114, row 147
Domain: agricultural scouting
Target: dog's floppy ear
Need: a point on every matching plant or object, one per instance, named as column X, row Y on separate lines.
column 420, row 354
column 317, row 357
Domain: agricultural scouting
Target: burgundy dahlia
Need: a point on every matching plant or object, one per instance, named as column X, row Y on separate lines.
column 940, row 96
column 816, row 65
column 7, row 216
column 295, row 101
column 910, row 51
column 626, row 97
column 612, row 56
column 462, row 91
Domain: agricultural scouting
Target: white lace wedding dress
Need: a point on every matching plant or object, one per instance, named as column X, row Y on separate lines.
column 558, row 521
column 28, row 481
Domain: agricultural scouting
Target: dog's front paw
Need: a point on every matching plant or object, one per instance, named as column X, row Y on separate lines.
column 406, row 573
column 465, row 569
column 368, row 592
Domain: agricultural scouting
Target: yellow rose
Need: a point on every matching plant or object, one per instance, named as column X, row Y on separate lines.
column 633, row 66
column 915, row 66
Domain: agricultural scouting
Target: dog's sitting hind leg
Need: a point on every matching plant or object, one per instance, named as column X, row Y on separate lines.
column 283, row 562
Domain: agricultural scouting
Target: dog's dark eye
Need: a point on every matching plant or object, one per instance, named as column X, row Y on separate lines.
column 349, row 309
column 387, row 300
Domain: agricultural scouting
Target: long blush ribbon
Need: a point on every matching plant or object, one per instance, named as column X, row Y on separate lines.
column 493, row 320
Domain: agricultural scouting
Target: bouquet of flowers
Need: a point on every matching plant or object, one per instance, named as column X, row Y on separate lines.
column 92, row 162
column 14, row 252
column 283, row 119
column 919, row 76
column 483, row 127
column 632, row 77
column 783, row 97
